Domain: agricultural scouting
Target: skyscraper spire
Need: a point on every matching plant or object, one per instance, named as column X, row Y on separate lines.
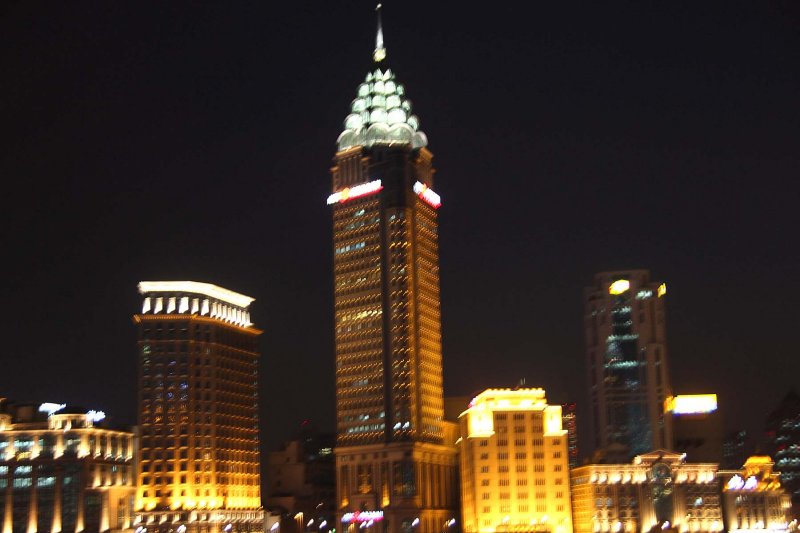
column 380, row 52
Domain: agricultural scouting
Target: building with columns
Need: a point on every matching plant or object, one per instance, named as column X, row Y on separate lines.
column 62, row 470
column 395, row 456
column 657, row 491
column 753, row 498
column 198, row 462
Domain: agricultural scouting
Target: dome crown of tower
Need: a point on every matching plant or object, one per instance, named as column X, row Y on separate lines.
column 380, row 113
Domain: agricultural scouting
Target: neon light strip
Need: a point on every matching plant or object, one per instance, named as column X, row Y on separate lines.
column 427, row 195
column 355, row 192
column 362, row 516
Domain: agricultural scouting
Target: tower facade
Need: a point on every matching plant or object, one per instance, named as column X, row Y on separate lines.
column 514, row 464
column 394, row 461
column 198, row 463
column 627, row 363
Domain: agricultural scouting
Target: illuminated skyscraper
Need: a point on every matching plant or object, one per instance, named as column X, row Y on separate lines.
column 198, row 404
column 393, row 457
column 627, row 362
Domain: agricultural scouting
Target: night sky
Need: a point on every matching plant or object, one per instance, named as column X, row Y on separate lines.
column 186, row 140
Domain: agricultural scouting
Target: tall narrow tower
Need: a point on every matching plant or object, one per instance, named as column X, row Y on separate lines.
column 627, row 363
column 393, row 457
column 198, row 461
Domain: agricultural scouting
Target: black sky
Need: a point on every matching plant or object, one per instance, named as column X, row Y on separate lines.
column 186, row 140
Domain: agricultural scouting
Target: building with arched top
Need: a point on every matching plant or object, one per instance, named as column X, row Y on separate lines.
column 395, row 456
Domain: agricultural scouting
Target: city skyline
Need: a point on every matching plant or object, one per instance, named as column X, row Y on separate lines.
column 153, row 155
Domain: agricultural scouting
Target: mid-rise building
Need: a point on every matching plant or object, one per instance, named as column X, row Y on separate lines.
column 696, row 426
column 783, row 434
column 514, row 464
column 63, row 470
column 626, row 351
column 394, row 462
column 736, row 448
column 301, row 478
column 569, row 421
column 656, row 491
column 754, row 499
column 198, row 409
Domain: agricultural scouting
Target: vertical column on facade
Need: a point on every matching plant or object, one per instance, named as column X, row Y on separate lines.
column 8, row 523
column 57, row 500
column 32, row 507
column 79, row 519
column 104, row 522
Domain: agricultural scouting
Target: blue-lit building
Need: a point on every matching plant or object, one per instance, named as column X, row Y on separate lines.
column 62, row 470
column 783, row 432
column 627, row 363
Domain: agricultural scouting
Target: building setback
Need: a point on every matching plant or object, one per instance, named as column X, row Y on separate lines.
column 198, row 405
column 62, row 470
column 394, row 462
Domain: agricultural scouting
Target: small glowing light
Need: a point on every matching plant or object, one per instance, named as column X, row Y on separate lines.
column 751, row 483
column 662, row 290
column 619, row 286
column 415, row 522
column 276, row 525
column 427, row 195
column 691, row 404
column 51, row 408
column 358, row 191
column 96, row 416
column 735, row 483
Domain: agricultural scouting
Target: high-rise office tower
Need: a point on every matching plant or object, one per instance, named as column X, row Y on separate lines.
column 394, row 463
column 198, row 415
column 627, row 362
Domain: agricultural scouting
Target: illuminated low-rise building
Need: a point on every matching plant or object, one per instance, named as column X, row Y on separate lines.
column 62, row 470
column 696, row 426
column 754, row 499
column 198, row 463
column 514, row 464
column 658, row 490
